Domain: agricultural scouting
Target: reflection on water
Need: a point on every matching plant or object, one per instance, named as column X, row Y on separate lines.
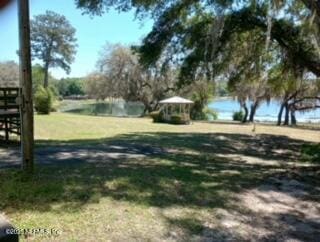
column 117, row 109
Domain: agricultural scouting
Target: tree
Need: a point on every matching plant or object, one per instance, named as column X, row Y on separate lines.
column 248, row 73
column 122, row 76
column 201, row 29
column 97, row 86
column 53, row 42
column 122, row 71
column 9, row 74
column 202, row 34
column 201, row 92
column 70, row 86
column 294, row 88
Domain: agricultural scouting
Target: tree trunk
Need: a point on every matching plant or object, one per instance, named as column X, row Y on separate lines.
column 246, row 112
column 253, row 110
column 46, row 66
column 280, row 113
column 286, row 117
column 46, row 75
column 293, row 116
column 147, row 108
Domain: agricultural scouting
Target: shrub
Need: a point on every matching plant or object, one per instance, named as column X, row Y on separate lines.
column 176, row 119
column 157, row 116
column 203, row 114
column 43, row 100
column 238, row 116
column 210, row 114
column 197, row 111
column 54, row 108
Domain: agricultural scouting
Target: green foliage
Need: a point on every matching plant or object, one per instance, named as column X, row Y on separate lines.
column 210, row 114
column 177, row 119
column 197, row 111
column 43, row 100
column 157, row 116
column 38, row 78
column 238, row 116
column 222, row 89
column 52, row 41
column 311, row 153
column 185, row 26
column 202, row 92
column 54, row 91
column 203, row 114
column 70, row 86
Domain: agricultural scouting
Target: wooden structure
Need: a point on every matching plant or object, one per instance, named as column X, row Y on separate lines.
column 25, row 93
column 9, row 112
column 176, row 107
column 26, row 106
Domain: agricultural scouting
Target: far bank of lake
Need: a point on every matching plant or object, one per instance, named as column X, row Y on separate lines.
column 267, row 112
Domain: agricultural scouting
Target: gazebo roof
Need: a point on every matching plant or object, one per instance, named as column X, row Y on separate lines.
column 176, row 100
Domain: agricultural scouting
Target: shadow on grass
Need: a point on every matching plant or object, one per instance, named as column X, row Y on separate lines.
column 157, row 169
column 279, row 227
column 311, row 152
column 153, row 169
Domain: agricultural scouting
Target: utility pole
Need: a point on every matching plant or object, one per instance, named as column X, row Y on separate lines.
column 26, row 104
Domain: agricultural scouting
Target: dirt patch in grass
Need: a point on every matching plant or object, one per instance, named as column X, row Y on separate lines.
column 283, row 208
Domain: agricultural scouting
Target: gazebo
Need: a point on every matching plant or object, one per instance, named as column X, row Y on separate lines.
column 176, row 107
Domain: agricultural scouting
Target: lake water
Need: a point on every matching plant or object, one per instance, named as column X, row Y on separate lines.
column 116, row 109
column 266, row 112
column 224, row 107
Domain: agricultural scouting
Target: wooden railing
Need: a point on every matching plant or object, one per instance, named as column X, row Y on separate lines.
column 9, row 112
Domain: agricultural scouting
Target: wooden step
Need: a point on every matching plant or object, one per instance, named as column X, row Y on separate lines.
column 9, row 97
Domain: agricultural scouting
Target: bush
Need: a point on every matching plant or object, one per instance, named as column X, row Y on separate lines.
column 176, row 119
column 210, row 114
column 203, row 114
column 43, row 100
column 157, row 116
column 238, row 116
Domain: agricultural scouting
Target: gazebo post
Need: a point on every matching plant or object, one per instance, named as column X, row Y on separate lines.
column 165, row 111
column 26, row 104
column 188, row 111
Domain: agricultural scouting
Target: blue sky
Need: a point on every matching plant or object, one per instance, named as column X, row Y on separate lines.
column 92, row 32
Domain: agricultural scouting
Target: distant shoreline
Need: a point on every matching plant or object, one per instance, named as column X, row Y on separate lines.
column 222, row 98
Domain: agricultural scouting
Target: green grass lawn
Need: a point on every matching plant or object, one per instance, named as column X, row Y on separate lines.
column 128, row 179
